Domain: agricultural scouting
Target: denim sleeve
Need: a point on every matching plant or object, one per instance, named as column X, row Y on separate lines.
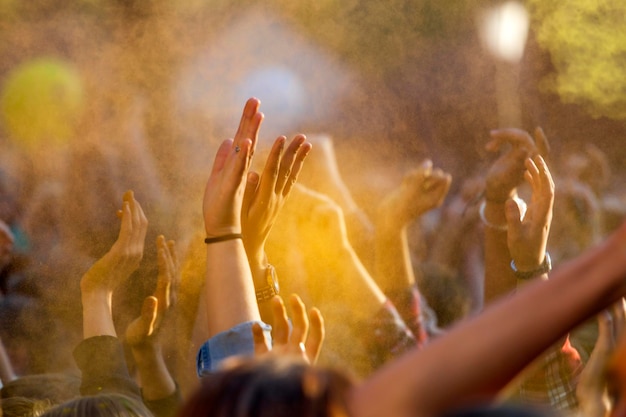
column 232, row 342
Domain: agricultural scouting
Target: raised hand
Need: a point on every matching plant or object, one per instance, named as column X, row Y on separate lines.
column 126, row 253
column 305, row 338
column 507, row 172
column 265, row 195
column 527, row 238
column 145, row 328
column 224, row 191
column 422, row 189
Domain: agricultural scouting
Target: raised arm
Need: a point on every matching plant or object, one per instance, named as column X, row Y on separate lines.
column 503, row 178
column 100, row 356
column 229, row 289
column 264, row 197
column 421, row 190
column 124, row 257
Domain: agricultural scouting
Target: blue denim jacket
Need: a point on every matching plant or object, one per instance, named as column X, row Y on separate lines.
column 232, row 342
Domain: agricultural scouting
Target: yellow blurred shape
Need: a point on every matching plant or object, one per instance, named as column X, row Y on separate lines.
column 42, row 102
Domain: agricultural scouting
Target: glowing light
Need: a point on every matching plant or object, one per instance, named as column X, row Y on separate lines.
column 504, row 31
column 279, row 88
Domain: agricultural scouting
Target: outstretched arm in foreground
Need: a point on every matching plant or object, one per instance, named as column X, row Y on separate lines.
column 480, row 355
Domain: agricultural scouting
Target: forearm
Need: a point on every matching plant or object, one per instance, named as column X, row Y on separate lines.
column 229, row 287
column 499, row 278
column 97, row 313
column 259, row 265
column 394, row 271
column 156, row 380
column 362, row 293
column 500, row 342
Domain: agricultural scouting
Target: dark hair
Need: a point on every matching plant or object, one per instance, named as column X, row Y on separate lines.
column 24, row 407
column 103, row 405
column 273, row 387
column 502, row 410
column 55, row 387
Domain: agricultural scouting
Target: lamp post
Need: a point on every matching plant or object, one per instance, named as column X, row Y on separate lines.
column 504, row 30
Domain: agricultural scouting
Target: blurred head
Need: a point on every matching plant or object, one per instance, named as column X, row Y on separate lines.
column 23, row 407
column 103, row 405
column 273, row 387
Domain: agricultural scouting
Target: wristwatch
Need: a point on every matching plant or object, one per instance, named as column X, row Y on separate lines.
column 271, row 288
column 544, row 268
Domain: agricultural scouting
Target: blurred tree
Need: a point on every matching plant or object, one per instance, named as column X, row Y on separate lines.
column 586, row 40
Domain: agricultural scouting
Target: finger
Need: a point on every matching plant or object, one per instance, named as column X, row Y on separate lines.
column 303, row 152
column 171, row 246
column 140, row 222
column 221, row 155
column 544, row 172
column 175, row 279
column 149, row 315
column 513, row 217
column 164, row 279
column 239, row 164
column 287, row 163
column 126, row 225
column 300, row 321
column 249, row 123
column 515, row 137
column 252, row 183
column 532, row 176
column 280, row 332
column 119, row 214
column 541, row 141
column 258, row 337
column 618, row 313
column 270, row 173
column 317, row 333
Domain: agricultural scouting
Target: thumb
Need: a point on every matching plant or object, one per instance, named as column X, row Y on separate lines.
column 258, row 337
column 149, row 314
column 513, row 217
column 252, row 181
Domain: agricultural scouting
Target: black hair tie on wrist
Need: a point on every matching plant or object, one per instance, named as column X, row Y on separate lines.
column 222, row 238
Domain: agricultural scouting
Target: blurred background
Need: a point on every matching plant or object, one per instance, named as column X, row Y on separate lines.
column 398, row 80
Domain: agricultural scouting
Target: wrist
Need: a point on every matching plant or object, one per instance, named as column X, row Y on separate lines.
column 528, row 271
column 146, row 350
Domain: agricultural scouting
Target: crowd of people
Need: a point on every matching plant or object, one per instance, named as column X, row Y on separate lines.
column 481, row 302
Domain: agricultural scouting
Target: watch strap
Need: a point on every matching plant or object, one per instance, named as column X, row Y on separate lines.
column 544, row 268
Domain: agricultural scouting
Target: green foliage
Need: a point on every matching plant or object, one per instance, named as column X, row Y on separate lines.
column 586, row 40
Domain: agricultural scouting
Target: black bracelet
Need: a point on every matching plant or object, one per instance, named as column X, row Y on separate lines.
column 544, row 268
column 222, row 238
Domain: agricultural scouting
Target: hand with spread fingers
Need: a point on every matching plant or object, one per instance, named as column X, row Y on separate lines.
column 528, row 237
column 265, row 195
column 422, row 190
column 225, row 188
column 303, row 340
column 144, row 330
column 126, row 253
